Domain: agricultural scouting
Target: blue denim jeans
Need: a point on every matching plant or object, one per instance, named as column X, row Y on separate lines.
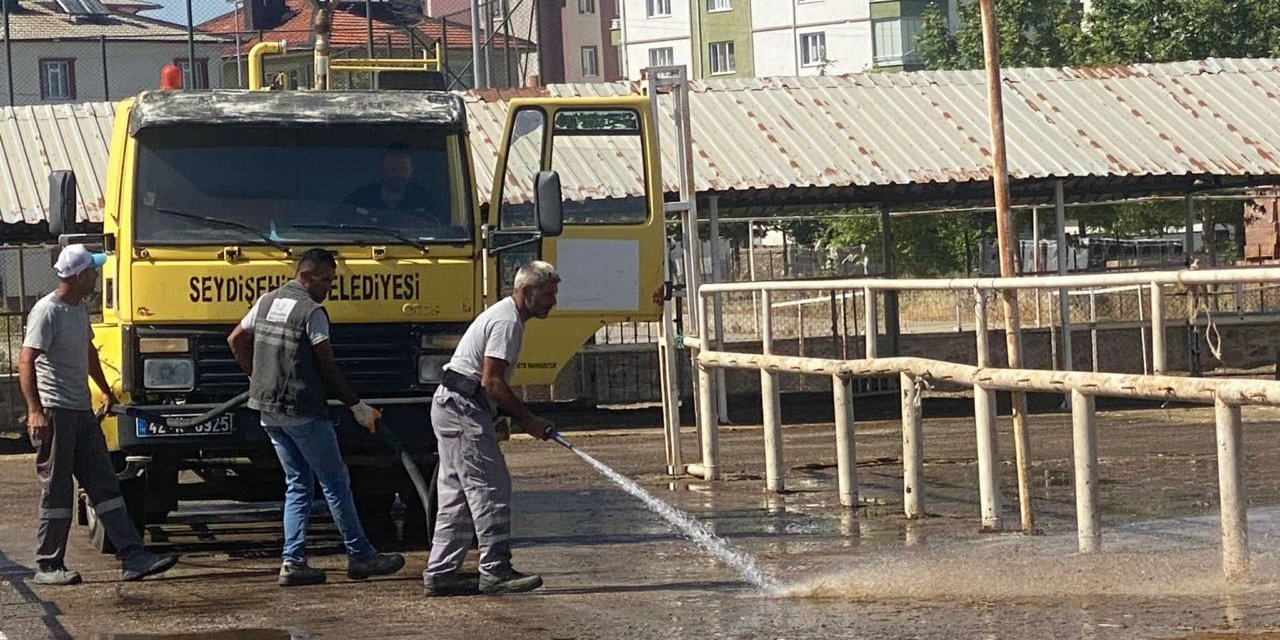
column 309, row 452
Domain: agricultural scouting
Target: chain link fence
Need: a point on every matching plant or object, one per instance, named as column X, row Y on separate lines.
column 25, row 276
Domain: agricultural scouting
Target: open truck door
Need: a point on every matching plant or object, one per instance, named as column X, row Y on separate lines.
column 609, row 243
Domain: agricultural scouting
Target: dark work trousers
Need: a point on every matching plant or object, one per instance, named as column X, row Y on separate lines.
column 473, row 485
column 75, row 447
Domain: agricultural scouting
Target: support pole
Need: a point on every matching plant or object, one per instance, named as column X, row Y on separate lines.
column 770, row 404
column 191, row 49
column 892, row 325
column 717, row 305
column 1142, row 332
column 1007, row 236
column 708, row 425
column 1189, row 232
column 1235, row 523
column 912, row 449
column 1159, row 358
column 870, row 325
column 477, row 74
column 846, row 449
column 1036, row 266
column 984, row 417
column 8, row 52
column 1084, row 438
column 1064, row 302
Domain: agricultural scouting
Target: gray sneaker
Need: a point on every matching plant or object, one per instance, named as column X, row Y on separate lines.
column 57, row 576
column 454, row 583
column 145, row 564
column 297, row 574
column 378, row 564
column 508, row 580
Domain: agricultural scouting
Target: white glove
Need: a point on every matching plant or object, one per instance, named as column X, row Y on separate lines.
column 366, row 415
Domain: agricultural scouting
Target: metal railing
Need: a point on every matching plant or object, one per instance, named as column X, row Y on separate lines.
column 1227, row 395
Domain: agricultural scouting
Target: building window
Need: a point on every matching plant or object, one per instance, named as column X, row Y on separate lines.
column 721, row 58
column 662, row 57
column 57, row 79
column 586, row 6
column 813, row 49
column 655, row 8
column 894, row 41
column 201, row 79
column 718, row 5
column 590, row 61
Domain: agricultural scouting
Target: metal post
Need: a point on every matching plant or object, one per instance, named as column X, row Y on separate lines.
column 191, row 48
column 1093, row 329
column 984, row 415
column 668, row 375
column 1036, row 267
column 751, row 270
column 770, row 404
column 1007, row 235
column 959, row 313
column 1084, row 438
column 1064, row 303
column 722, row 394
column 708, row 425
column 846, row 448
column 1235, row 523
column 239, row 65
column 912, row 448
column 1159, row 358
column 1142, row 332
column 8, row 52
column 1189, row 233
column 476, row 77
column 487, row 51
column 892, row 326
column 368, row 27
column 106, row 85
column 871, row 326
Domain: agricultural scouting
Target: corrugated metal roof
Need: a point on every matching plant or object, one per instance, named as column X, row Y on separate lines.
column 852, row 139
column 35, row 140
column 45, row 21
column 1209, row 118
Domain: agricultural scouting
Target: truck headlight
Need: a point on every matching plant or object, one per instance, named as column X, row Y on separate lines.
column 169, row 373
column 431, row 368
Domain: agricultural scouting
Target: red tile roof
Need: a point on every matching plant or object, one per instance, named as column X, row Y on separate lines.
column 350, row 29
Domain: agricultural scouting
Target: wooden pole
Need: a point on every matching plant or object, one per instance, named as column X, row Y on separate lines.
column 1007, row 235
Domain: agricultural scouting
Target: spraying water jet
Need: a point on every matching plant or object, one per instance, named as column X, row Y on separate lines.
column 687, row 524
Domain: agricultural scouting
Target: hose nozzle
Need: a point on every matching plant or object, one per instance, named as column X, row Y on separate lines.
column 555, row 437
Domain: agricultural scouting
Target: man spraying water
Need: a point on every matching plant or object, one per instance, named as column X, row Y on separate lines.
column 473, row 483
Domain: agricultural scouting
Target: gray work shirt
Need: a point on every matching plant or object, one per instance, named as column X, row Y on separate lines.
column 495, row 333
column 62, row 333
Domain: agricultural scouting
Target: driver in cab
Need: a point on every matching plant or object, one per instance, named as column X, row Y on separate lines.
column 394, row 198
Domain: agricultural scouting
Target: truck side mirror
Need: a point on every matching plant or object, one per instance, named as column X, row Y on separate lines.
column 548, row 203
column 62, row 201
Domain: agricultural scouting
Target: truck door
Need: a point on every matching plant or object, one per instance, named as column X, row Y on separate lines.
column 611, row 249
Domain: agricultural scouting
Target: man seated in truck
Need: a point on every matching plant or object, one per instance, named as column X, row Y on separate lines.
column 394, row 198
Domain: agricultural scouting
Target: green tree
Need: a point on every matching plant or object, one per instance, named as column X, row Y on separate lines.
column 923, row 245
column 1132, row 31
column 1032, row 33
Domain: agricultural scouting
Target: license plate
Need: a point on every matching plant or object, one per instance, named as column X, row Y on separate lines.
column 220, row 425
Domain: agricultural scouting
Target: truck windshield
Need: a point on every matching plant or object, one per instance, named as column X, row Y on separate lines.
column 300, row 185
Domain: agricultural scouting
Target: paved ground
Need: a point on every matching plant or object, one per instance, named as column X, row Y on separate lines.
column 614, row 570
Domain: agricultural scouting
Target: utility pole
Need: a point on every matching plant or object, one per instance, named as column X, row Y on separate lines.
column 1007, row 235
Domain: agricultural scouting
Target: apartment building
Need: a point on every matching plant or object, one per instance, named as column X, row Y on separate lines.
column 758, row 38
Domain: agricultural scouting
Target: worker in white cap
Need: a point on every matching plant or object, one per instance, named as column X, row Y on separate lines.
column 54, row 368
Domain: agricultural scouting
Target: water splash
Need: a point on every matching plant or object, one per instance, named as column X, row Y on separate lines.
column 690, row 527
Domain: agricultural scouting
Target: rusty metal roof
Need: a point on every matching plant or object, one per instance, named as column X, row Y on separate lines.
column 895, row 138
column 923, row 136
column 35, row 140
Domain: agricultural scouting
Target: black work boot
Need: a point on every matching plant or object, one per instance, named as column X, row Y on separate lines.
column 454, row 583
column 508, row 580
column 378, row 564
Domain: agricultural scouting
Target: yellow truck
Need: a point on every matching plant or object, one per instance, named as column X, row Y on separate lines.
column 210, row 195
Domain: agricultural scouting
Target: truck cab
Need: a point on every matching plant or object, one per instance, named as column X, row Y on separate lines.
column 211, row 195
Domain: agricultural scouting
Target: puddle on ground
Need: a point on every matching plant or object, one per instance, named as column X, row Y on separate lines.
column 225, row 634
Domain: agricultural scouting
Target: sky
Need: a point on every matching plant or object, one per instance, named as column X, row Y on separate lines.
column 176, row 10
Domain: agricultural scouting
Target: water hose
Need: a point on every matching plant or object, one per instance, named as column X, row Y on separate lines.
column 555, row 437
column 191, row 421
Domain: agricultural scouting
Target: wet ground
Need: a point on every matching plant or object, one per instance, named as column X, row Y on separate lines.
column 614, row 570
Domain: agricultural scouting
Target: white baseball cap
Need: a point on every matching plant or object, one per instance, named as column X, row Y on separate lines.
column 75, row 258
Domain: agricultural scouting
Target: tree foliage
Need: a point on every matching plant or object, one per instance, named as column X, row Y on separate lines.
column 923, row 245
